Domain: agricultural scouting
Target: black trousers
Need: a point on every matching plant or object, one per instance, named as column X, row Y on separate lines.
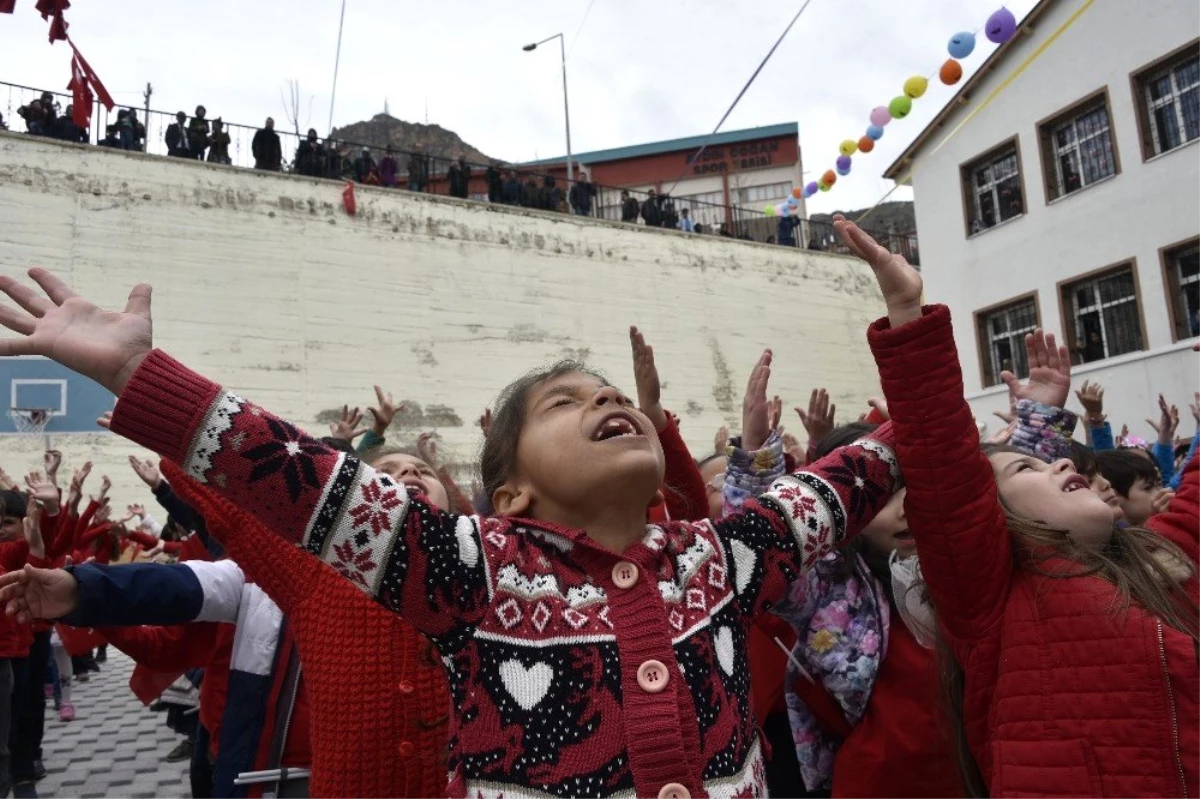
column 29, row 707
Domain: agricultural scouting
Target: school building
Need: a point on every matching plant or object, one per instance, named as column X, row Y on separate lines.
column 736, row 170
column 1070, row 202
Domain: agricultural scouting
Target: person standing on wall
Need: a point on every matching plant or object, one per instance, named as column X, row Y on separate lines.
column 177, row 138
column 267, row 151
column 197, row 134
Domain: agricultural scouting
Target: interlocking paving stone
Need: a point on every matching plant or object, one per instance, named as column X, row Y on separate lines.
column 114, row 747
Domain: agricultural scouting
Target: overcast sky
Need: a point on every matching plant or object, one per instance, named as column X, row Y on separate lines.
column 638, row 71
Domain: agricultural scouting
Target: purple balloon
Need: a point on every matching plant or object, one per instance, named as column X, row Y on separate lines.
column 811, row 188
column 1001, row 26
column 843, row 162
column 880, row 116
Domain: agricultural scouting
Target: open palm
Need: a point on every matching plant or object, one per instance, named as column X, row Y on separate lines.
column 899, row 282
column 33, row 593
column 106, row 346
column 1049, row 371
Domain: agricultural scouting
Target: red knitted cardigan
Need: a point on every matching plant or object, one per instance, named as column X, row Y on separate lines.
column 376, row 689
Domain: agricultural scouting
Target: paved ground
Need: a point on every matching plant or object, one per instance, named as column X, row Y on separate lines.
column 114, row 747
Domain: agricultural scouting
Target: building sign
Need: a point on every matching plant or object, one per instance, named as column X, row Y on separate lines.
column 734, row 157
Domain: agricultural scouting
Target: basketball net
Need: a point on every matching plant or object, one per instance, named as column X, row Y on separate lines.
column 30, row 421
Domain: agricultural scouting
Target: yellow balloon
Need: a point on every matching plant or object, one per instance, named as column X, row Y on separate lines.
column 915, row 86
column 848, row 147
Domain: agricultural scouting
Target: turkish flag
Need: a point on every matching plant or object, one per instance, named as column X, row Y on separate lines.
column 348, row 199
column 7, row 6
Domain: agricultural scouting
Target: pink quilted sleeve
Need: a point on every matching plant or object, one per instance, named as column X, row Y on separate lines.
column 953, row 508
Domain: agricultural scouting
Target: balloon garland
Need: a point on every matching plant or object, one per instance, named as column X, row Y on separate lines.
column 1000, row 27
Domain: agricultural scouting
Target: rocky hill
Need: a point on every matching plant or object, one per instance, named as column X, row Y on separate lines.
column 895, row 217
column 383, row 129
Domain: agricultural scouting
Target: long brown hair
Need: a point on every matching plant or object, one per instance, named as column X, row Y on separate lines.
column 1145, row 568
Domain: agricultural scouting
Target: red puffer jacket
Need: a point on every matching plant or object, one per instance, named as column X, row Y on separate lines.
column 1064, row 695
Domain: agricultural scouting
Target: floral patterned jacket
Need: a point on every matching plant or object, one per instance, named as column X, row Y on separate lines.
column 841, row 624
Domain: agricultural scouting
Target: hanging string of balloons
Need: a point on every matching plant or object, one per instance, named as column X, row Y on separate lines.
column 1001, row 26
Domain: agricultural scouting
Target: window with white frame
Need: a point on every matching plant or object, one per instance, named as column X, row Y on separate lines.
column 1169, row 103
column 1102, row 315
column 1078, row 150
column 768, row 192
column 993, row 190
column 1001, row 334
column 1183, row 287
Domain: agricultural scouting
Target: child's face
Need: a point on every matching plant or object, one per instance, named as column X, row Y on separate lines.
column 888, row 531
column 584, row 450
column 1139, row 505
column 1053, row 494
column 713, row 473
column 414, row 473
column 11, row 528
column 1106, row 492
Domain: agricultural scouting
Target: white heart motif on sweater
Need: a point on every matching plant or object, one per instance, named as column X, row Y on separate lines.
column 528, row 686
column 468, row 549
column 723, row 643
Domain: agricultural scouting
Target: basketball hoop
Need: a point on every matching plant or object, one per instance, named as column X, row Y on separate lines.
column 30, row 421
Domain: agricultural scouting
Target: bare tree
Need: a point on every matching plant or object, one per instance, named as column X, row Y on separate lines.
column 291, row 105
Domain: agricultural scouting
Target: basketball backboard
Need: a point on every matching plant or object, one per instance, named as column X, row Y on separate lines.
column 74, row 401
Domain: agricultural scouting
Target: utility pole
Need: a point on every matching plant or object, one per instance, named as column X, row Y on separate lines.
column 146, row 111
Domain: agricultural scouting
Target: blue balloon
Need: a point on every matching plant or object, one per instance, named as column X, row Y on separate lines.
column 792, row 201
column 961, row 44
column 875, row 132
column 843, row 172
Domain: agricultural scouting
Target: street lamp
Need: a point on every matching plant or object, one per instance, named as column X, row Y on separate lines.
column 566, row 109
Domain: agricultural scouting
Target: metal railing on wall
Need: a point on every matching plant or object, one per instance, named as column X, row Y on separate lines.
column 431, row 173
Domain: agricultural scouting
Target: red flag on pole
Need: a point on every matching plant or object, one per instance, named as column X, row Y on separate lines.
column 7, row 6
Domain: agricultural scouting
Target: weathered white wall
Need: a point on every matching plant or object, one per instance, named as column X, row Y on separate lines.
column 265, row 284
column 1148, row 205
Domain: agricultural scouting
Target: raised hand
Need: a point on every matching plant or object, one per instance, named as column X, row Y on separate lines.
column 147, row 470
column 818, row 421
column 1162, row 500
column 1124, row 434
column 103, row 512
column 6, row 482
column 791, row 445
column 107, row 346
column 775, row 413
column 880, row 406
column 1009, row 416
column 75, row 492
column 105, row 485
column 1091, row 397
column 384, row 411
column 1168, row 422
column 32, row 593
column 1049, row 371
column 756, row 407
column 137, row 510
column 348, row 427
column 51, row 460
column 900, row 283
column 427, row 448
column 1194, row 405
column 105, row 420
column 645, row 374
column 721, row 440
column 42, row 490
column 33, row 532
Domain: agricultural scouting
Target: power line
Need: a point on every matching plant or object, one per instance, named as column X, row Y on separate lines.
column 575, row 38
column 738, row 99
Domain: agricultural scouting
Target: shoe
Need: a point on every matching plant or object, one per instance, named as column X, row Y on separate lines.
column 82, row 677
column 181, row 752
column 93, row 665
column 101, row 654
column 66, row 712
column 159, row 707
column 38, row 773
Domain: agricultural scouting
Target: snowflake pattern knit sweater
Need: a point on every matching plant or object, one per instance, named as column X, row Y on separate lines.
column 574, row 671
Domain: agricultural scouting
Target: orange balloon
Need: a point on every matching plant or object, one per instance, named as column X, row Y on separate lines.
column 866, row 144
column 830, row 177
column 951, row 72
column 797, row 192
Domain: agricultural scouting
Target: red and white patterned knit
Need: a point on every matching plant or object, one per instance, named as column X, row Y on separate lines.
column 574, row 671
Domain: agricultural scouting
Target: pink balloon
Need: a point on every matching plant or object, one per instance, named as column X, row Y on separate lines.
column 880, row 116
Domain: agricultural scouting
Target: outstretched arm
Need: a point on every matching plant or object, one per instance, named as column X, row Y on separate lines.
column 952, row 505
column 361, row 522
